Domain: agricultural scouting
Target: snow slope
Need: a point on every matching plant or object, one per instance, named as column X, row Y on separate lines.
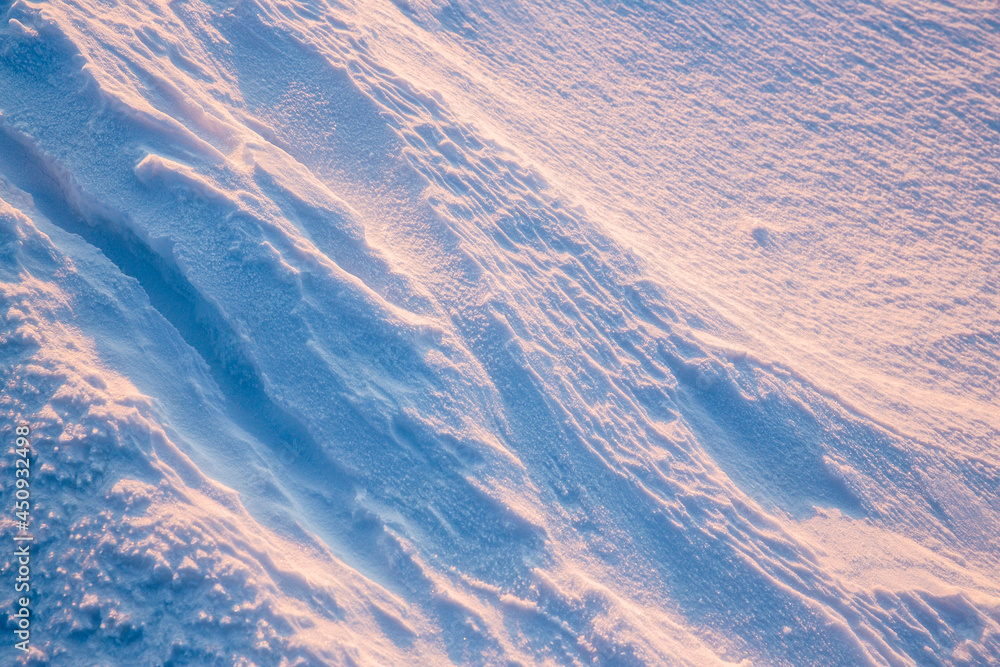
column 504, row 333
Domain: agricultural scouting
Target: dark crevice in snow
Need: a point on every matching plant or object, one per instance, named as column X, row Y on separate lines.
column 195, row 318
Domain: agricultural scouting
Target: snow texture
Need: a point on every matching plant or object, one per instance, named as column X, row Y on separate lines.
column 470, row 332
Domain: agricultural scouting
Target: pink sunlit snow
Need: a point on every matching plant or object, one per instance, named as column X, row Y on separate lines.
column 429, row 332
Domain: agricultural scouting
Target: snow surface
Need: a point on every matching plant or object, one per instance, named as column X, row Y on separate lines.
column 460, row 331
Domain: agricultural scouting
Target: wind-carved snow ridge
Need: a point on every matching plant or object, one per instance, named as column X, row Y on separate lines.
column 166, row 566
column 197, row 320
column 358, row 385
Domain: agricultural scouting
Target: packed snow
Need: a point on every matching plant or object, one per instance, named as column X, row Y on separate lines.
column 548, row 332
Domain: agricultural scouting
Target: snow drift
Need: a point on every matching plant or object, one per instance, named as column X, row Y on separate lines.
column 503, row 333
